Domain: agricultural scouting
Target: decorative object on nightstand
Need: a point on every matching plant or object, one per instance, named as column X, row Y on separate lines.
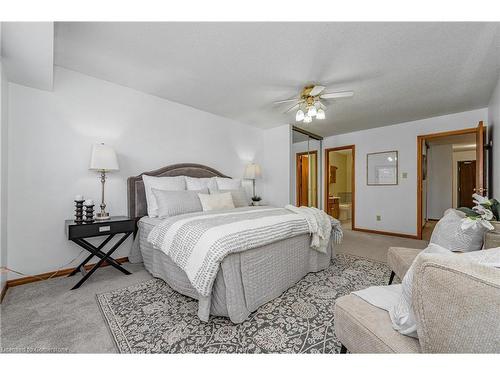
column 256, row 200
column 89, row 211
column 79, row 209
column 252, row 172
column 103, row 160
column 78, row 234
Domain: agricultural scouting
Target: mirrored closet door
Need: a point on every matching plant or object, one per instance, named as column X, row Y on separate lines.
column 306, row 168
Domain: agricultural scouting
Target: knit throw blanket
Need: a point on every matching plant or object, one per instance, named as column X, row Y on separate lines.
column 198, row 242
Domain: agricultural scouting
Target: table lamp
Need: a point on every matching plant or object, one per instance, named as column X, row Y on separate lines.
column 252, row 171
column 103, row 159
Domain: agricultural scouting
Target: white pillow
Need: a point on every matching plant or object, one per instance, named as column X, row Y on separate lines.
column 228, row 183
column 449, row 234
column 402, row 316
column 221, row 201
column 161, row 183
column 240, row 198
column 196, row 183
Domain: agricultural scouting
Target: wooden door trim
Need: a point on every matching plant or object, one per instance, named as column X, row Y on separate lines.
column 353, row 180
column 297, row 157
column 420, row 141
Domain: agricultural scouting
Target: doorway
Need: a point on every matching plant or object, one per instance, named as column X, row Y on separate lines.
column 450, row 168
column 340, row 184
column 307, row 182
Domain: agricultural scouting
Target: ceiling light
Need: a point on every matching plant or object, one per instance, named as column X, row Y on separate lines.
column 308, row 119
column 300, row 115
column 311, row 112
column 321, row 114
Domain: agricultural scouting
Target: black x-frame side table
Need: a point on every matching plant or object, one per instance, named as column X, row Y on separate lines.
column 79, row 232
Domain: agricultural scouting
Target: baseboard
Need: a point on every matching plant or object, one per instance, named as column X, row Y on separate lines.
column 2, row 293
column 403, row 235
column 53, row 274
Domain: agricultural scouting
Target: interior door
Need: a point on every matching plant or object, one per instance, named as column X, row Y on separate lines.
column 480, row 164
column 466, row 182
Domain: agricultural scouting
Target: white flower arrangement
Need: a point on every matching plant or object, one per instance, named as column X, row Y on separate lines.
column 482, row 213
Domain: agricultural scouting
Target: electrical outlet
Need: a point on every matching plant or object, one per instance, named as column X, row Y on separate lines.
column 404, row 175
column 379, row 218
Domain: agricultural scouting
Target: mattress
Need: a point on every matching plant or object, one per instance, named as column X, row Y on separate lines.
column 245, row 280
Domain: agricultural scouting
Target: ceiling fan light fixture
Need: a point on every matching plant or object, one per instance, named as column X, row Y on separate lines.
column 299, row 116
column 321, row 115
column 307, row 119
column 311, row 112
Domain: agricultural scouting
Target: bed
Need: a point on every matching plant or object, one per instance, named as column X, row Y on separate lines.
column 245, row 280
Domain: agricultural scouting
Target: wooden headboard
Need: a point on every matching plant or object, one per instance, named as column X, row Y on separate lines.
column 136, row 196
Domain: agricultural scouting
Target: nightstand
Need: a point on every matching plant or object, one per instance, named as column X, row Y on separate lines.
column 79, row 232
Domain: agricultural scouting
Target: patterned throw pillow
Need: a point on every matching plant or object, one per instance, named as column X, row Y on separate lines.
column 449, row 234
column 172, row 203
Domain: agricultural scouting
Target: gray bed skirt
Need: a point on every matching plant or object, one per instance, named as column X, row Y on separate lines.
column 245, row 281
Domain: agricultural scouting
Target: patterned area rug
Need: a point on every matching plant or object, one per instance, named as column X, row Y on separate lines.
column 152, row 318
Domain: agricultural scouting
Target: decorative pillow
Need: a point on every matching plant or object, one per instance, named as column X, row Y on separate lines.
column 195, row 183
column 239, row 196
column 402, row 316
column 228, row 183
column 221, row 201
column 449, row 234
column 172, row 203
column 161, row 183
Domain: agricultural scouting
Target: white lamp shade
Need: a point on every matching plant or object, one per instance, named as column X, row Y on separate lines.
column 311, row 112
column 321, row 114
column 252, row 171
column 299, row 116
column 103, row 158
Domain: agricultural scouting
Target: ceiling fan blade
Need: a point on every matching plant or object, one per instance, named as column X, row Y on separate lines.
column 286, row 101
column 293, row 107
column 316, row 90
column 335, row 95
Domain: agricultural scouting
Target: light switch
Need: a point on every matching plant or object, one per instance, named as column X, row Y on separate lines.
column 404, row 175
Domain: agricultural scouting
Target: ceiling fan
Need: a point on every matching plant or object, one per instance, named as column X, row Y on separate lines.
column 310, row 104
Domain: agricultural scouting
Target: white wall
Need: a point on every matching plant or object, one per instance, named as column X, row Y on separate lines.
column 50, row 137
column 396, row 204
column 494, row 123
column 3, row 172
column 440, row 180
column 276, row 166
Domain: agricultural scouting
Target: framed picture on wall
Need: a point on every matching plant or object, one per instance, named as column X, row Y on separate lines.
column 382, row 168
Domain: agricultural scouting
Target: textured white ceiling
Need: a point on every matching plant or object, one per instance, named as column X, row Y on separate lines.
column 399, row 71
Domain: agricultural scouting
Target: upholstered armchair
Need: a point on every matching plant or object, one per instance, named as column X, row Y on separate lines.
column 456, row 303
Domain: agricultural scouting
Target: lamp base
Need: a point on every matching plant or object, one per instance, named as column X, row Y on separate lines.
column 102, row 216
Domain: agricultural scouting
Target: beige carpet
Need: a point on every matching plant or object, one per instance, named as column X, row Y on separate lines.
column 47, row 315
column 374, row 246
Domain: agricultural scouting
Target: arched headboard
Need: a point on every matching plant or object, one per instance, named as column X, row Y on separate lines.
column 136, row 195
